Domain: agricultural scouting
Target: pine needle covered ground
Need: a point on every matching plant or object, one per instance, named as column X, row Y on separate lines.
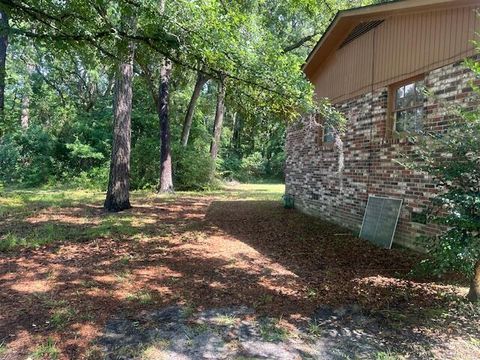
column 67, row 268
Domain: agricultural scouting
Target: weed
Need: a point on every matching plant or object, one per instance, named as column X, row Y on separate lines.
column 475, row 342
column 264, row 299
column 94, row 353
column 3, row 348
column 47, row 350
column 226, row 320
column 89, row 284
column 61, row 317
column 123, row 275
column 270, row 330
column 382, row 355
column 124, row 260
column 312, row 293
column 188, row 311
column 197, row 329
column 143, row 297
column 314, row 329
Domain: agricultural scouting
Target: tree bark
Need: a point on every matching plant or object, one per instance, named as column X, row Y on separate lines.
column 474, row 293
column 218, row 123
column 4, row 26
column 25, row 113
column 187, row 125
column 119, row 180
column 237, row 126
column 166, row 182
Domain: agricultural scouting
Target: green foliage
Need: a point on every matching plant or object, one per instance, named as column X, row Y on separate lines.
column 47, row 350
column 452, row 159
column 9, row 159
column 145, row 163
column 26, row 157
column 252, row 167
column 68, row 74
column 94, row 179
column 271, row 330
column 83, row 151
column 333, row 117
column 193, row 169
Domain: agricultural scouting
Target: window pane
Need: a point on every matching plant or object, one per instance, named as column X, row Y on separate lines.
column 328, row 135
column 409, row 120
column 418, row 119
column 400, row 121
column 399, row 97
column 410, row 95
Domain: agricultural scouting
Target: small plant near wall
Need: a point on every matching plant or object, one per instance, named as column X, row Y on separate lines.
column 452, row 159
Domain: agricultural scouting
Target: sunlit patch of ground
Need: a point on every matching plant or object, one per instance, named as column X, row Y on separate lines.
column 67, row 268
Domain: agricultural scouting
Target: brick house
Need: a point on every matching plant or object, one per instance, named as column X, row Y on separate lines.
column 374, row 63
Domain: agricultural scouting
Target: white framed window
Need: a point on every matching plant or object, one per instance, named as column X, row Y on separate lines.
column 407, row 106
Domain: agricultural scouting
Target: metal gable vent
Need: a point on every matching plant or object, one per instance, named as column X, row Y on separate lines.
column 359, row 30
column 380, row 220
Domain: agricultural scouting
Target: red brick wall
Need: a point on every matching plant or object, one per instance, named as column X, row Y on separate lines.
column 322, row 187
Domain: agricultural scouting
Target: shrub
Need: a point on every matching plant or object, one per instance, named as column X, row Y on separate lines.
column 252, row 167
column 9, row 160
column 452, row 159
column 193, row 169
column 94, row 179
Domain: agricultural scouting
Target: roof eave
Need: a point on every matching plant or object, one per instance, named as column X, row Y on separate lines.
column 345, row 20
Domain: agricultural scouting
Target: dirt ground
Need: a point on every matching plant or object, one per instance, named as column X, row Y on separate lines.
column 68, row 269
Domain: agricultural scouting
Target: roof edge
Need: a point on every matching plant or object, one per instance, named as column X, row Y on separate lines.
column 352, row 16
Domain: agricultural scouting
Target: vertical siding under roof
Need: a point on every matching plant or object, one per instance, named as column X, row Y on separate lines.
column 401, row 47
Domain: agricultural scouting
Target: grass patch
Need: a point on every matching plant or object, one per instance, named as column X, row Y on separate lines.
column 61, row 317
column 270, row 330
column 113, row 226
column 263, row 300
column 314, row 329
column 47, row 350
column 143, row 297
column 36, row 237
column 3, row 348
column 197, row 329
column 123, row 275
column 17, row 205
column 94, row 353
column 386, row 355
column 156, row 350
column 188, row 311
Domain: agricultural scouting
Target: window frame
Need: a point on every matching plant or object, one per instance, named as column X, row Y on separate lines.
column 391, row 131
column 324, row 133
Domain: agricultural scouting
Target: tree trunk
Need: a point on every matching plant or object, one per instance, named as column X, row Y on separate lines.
column 119, row 180
column 187, row 125
column 3, row 57
column 237, row 126
column 217, row 125
column 25, row 114
column 166, row 182
column 474, row 293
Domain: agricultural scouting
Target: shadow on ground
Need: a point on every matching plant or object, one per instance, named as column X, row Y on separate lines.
column 308, row 277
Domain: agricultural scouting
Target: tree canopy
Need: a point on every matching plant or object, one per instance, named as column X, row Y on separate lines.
column 61, row 68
